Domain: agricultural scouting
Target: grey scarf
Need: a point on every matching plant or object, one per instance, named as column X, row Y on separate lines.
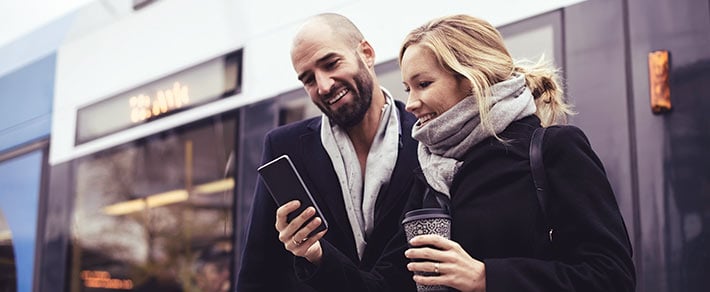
column 444, row 140
column 360, row 190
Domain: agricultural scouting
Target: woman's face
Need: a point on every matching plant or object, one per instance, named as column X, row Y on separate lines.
column 432, row 89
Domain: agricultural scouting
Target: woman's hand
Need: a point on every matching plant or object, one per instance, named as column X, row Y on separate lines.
column 453, row 266
column 296, row 240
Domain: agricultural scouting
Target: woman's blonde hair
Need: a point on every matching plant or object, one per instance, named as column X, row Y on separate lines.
column 473, row 49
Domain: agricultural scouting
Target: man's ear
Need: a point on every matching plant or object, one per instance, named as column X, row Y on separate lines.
column 367, row 53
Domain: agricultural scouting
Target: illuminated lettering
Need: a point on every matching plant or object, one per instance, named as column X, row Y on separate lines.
column 102, row 279
column 144, row 107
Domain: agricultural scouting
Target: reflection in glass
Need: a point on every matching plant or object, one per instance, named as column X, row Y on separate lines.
column 8, row 274
column 155, row 215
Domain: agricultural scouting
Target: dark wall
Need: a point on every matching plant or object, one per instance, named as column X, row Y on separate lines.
column 674, row 176
column 657, row 164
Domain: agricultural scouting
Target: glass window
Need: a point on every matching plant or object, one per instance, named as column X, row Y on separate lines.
column 156, row 214
column 8, row 277
column 536, row 37
column 20, row 184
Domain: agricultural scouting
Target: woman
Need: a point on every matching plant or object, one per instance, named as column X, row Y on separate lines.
column 476, row 114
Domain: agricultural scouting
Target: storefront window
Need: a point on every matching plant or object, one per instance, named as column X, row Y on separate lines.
column 156, row 214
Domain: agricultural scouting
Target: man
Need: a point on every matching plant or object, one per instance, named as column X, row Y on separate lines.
column 357, row 160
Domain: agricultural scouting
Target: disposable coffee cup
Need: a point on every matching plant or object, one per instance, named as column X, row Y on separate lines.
column 427, row 221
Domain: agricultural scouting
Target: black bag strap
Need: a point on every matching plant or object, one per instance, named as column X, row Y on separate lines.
column 537, row 168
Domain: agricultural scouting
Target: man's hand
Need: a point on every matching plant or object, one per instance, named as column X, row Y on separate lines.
column 296, row 240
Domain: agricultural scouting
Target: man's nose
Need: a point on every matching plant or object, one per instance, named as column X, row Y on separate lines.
column 324, row 82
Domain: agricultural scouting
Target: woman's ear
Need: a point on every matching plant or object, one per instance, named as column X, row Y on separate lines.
column 465, row 85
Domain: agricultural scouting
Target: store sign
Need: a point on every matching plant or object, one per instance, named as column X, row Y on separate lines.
column 192, row 87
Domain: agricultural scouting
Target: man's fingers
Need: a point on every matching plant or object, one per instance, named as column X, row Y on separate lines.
column 283, row 211
column 288, row 230
column 301, row 236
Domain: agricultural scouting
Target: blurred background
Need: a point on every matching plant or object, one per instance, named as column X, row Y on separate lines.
column 130, row 131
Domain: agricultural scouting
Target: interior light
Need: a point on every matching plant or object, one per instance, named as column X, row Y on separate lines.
column 167, row 198
column 215, row 186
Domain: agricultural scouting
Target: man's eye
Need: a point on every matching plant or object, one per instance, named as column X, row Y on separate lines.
column 332, row 64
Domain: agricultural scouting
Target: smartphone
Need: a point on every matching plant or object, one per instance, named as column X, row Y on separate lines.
column 285, row 184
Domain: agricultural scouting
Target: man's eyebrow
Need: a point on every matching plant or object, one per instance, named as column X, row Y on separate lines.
column 319, row 62
column 327, row 57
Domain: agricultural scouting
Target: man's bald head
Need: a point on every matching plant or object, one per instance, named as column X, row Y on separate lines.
column 337, row 25
column 336, row 66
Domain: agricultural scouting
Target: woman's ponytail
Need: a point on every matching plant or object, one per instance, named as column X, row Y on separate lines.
column 543, row 81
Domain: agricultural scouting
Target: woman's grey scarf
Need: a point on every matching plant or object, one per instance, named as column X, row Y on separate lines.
column 444, row 140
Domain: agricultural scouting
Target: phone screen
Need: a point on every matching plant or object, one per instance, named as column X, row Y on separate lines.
column 285, row 184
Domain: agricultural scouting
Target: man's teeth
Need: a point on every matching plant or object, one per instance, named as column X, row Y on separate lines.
column 337, row 97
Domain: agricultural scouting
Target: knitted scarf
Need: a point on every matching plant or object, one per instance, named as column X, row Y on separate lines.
column 445, row 140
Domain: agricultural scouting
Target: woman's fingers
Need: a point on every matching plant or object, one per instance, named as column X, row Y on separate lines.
column 440, row 261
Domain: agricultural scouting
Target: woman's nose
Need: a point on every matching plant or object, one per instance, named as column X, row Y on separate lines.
column 412, row 103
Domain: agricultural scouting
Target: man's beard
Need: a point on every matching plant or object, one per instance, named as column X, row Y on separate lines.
column 351, row 114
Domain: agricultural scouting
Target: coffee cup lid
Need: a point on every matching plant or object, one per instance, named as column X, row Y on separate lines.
column 425, row 214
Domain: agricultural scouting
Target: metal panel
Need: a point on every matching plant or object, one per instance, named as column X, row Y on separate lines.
column 26, row 103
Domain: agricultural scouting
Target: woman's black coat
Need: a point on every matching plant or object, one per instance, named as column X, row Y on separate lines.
column 497, row 218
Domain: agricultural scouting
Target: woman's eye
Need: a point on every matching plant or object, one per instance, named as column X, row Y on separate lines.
column 424, row 84
column 406, row 89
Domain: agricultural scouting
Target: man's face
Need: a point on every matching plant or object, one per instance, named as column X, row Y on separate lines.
column 334, row 75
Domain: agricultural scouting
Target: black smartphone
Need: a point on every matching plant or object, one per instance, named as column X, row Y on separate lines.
column 285, row 184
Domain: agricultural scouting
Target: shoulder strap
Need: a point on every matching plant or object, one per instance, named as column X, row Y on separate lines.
column 537, row 168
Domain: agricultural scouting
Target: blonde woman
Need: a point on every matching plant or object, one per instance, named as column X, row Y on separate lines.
column 477, row 112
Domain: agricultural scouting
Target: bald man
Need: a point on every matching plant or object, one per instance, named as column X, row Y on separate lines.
column 357, row 159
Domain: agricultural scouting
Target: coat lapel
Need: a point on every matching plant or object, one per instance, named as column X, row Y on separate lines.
column 402, row 175
column 319, row 170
